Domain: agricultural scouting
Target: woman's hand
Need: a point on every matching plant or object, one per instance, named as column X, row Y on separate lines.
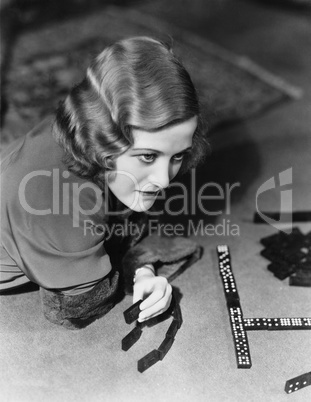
column 155, row 291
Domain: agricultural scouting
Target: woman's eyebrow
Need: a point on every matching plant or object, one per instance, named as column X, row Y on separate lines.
column 158, row 152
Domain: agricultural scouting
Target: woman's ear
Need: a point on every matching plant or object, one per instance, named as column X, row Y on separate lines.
column 109, row 163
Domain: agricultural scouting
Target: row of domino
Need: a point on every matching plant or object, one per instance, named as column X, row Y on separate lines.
column 235, row 311
column 277, row 324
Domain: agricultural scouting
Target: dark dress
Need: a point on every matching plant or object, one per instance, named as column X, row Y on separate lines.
column 52, row 222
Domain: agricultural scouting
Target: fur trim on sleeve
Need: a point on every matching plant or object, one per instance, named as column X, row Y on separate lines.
column 170, row 256
column 78, row 311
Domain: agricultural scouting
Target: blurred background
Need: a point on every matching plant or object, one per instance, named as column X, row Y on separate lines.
column 254, row 28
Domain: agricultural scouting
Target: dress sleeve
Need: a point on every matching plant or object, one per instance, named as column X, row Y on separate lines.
column 170, row 256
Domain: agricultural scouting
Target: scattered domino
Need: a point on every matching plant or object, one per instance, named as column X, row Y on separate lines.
column 130, row 339
column 177, row 315
column 290, row 255
column 280, row 256
column 172, row 330
column 270, row 240
column 302, row 277
column 165, row 346
column 149, row 360
column 281, row 270
column 132, row 313
column 294, row 384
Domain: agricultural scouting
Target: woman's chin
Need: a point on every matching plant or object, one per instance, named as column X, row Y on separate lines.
column 142, row 206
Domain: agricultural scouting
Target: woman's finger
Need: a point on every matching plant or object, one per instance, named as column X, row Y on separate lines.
column 157, row 292
column 138, row 293
column 159, row 307
column 144, row 317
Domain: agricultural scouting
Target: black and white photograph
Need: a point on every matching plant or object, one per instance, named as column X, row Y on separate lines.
column 155, row 201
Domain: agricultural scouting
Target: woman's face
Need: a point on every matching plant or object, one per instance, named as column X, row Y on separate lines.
column 150, row 164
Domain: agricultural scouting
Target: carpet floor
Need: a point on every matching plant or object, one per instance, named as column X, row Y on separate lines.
column 48, row 61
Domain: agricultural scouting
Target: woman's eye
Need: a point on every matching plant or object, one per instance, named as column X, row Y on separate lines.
column 147, row 158
column 178, row 157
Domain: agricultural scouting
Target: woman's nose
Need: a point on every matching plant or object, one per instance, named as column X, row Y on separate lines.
column 160, row 176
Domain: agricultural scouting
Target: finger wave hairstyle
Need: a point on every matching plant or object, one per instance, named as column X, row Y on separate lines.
column 135, row 83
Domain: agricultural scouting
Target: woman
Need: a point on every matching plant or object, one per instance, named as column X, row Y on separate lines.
column 118, row 139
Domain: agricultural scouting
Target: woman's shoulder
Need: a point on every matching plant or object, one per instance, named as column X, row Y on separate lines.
column 35, row 151
column 37, row 183
column 56, row 211
column 54, row 195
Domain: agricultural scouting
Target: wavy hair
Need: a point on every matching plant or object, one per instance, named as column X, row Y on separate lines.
column 135, row 83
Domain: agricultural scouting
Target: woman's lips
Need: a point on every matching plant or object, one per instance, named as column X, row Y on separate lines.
column 149, row 193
